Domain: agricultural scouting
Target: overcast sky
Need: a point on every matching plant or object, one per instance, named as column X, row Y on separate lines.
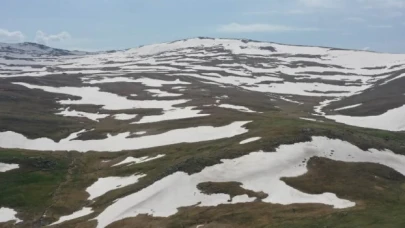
column 377, row 25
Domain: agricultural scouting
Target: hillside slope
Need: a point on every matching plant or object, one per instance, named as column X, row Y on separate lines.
column 201, row 133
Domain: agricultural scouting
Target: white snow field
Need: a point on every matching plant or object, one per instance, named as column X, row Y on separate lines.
column 7, row 214
column 258, row 171
column 249, row 140
column 236, row 107
column 195, row 78
column 316, row 71
column 289, row 100
column 308, row 119
column 173, row 114
column 319, row 109
column 110, row 101
column 4, row 167
column 106, row 184
column 78, row 214
column 348, row 107
column 134, row 60
column 392, row 120
column 91, row 116
column 145, row 81
column 132, row 160
column 120, row 142
column 124, row 116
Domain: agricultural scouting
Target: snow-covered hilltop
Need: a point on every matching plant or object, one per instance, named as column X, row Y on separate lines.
column 30, row 50
column 291, row 73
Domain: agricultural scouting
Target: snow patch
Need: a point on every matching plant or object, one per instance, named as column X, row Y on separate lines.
column 309, row 119
column 250, row 140
column 109, row 101
column 131, row 160
column 104, row 185
column 323, row 104
column 78, row 214
column 7, row 167
column 7, row 214
column 242, row 199
column 348, row 107
column 291, row 101
column 145, row 81
column 235, row 107
column 121, row 141
column 392, row 120
column 74, row 113
column 124, row 116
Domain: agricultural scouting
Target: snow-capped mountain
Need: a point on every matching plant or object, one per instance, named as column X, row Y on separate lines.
column 32, row 50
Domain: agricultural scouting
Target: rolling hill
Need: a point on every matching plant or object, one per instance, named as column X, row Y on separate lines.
column 201, row 132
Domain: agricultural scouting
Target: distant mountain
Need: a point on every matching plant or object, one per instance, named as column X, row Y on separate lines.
column 28, row 50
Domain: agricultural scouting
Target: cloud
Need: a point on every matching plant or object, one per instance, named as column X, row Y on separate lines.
column 355, row 19
column 368, row 4
column 277, row 12
column 320, row 3
column 394, row 14
column 43, row 38
column 296, row 11
column 383, row 3
column 380, row 26
column 11, row 36
column 255, row 28
column 270, row 12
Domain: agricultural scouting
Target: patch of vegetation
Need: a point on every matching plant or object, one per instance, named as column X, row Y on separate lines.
column 367, row 183
column 231, row 188
column 29, row 188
